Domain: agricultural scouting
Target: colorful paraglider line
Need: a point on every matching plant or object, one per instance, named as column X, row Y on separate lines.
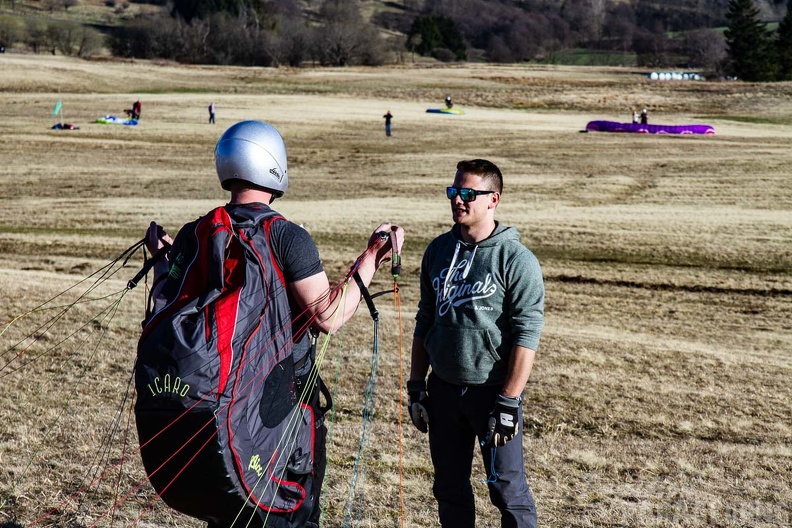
column 103, row 466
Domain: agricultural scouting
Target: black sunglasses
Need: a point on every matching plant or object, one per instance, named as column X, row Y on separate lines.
column 467, row 195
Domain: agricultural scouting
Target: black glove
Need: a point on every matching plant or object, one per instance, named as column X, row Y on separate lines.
column 417, row 403
column 503, row 421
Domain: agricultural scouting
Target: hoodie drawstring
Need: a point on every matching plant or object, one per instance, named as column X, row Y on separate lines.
column 470, row 262
column 450, row 271
column 451, row 266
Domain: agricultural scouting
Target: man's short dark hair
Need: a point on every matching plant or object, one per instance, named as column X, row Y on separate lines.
column 487, row 170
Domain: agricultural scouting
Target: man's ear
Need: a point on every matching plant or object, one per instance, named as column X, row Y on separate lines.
column 494, row 200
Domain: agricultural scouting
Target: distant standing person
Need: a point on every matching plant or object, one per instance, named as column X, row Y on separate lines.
column 388, row 116
column 211, row 113
column 448, row 102
column 635, row 116
column 644, row 117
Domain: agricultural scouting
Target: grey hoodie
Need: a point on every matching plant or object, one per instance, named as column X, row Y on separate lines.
column 471, row 317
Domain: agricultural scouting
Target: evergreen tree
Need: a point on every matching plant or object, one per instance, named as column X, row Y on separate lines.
column 749, row 45
column 431, row 32
column 784, row 46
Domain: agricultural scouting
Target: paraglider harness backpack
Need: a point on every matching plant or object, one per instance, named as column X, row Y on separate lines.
column 230, row 431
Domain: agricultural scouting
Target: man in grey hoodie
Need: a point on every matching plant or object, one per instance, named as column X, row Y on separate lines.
column 478, row 325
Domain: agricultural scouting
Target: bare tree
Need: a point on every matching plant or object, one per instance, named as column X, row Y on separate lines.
column 586, row 17
column 345, row 37
column 91, row 43
column 619, row 28
column 396, row 47
column 597, row 11
column 64, row 37
column 337, row 43
column 11, row 31
column 37, row 37
column 293, row 42
column 705, row 49
column 652, row 48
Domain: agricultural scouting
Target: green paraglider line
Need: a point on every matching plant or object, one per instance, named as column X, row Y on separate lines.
column 106, row 273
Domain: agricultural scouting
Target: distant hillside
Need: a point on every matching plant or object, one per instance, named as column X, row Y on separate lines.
column 649, row 33
column 670, row 12
column 119, row 12
column 94, row 12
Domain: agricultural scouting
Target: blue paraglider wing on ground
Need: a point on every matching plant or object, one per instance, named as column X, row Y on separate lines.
column 113, row 120
column 452, row 111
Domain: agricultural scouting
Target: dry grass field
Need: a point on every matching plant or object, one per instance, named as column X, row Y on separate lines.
column 661, row 395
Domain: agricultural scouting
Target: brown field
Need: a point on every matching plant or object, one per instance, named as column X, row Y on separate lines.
column 661, row 395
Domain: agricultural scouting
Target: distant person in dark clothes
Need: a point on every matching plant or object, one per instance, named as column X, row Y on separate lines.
column 134, row 113
column 644, row 117
column 388, row 116
column 212, row 113
column 448, row 102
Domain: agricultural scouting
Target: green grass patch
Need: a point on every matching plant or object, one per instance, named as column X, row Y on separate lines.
column 586, row 57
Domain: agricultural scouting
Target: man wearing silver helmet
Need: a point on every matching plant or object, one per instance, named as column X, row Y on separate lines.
column 250, row 158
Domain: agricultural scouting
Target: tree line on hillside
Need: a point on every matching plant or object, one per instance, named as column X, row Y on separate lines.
column 41, row 35
column 650, row 33
column 254, row 33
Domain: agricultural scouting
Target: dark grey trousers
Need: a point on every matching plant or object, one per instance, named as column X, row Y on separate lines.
column 458, row 418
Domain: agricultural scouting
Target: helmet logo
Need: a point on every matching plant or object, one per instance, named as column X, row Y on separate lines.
column 274, row 172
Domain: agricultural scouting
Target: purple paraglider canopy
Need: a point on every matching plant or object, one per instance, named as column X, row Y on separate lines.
column 613, row 126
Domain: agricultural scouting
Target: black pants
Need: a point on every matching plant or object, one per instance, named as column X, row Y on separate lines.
column 458, row 417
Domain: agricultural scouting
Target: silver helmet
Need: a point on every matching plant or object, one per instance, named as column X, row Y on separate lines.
column 252, row 151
